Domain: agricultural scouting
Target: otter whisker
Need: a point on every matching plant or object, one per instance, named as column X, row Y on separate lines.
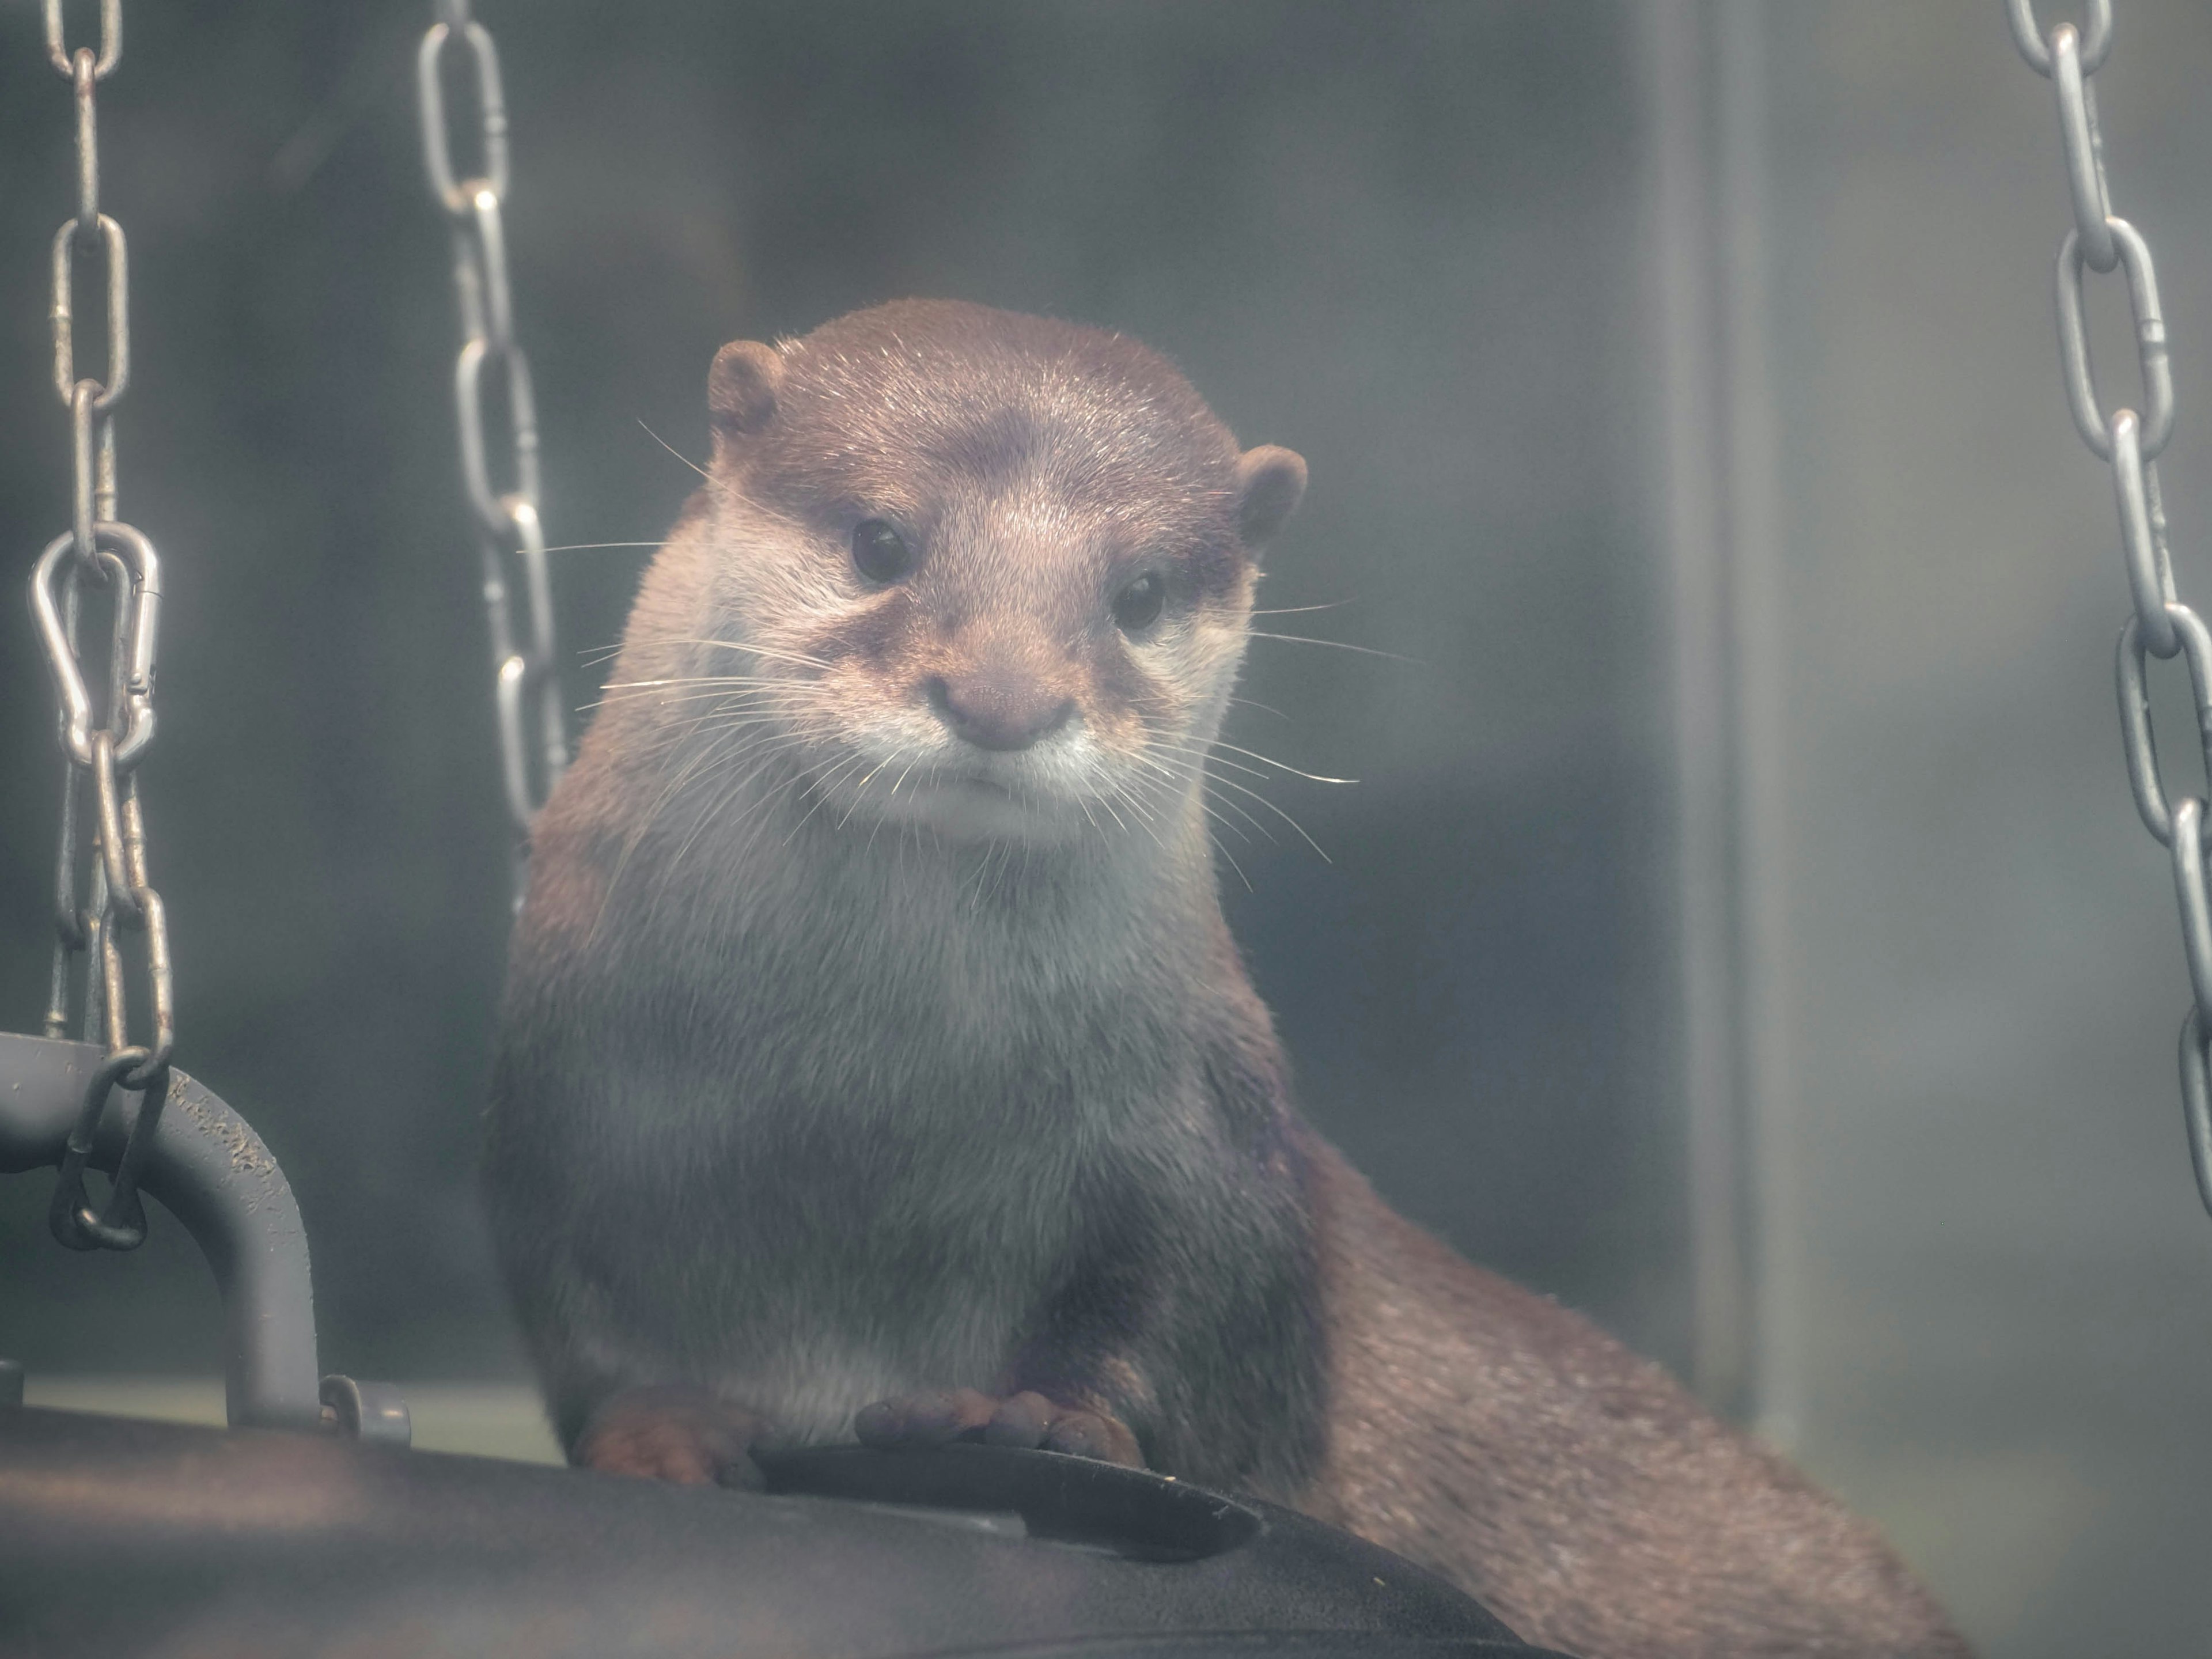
column 1107, row 802
column 776, row 651
column 1205, row 754
column 859, row 789
column 793, row 778
column 892, row 792
column 1310, row 777
column 699, row 679
column 1153, row 792
column 657, row 697
column 991, row 850
column 1179, row 767
column 1167, row 776
column 713, row 722
column 1336, row 645
column 764, row 755
column 712, row 715
column 706, row 813
column 672, row 448
column 636, row 835
column 1201, row 755
column 724, row 710
column 688, row 729
column 1120, row 791
column 1208, row 808
column 822, row 782
column 707, row 754
column 1233, row 865
column 1258, row 828
column 1226, row 783
column 1211, row 752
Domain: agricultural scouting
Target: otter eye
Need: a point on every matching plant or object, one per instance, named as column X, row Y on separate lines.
column 879, row 551
column 1137, row 606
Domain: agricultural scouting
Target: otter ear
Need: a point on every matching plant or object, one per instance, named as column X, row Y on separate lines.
column 741, row 388
column 1269, row 482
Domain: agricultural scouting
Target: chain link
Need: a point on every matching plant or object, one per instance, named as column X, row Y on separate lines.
column 532, row 734
column 103, row 739
column 2129, row 442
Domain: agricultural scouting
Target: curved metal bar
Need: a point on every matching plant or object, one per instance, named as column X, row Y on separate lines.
column 210, row 1171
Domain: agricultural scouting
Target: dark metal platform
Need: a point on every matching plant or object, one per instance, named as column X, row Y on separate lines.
column 120, row 1537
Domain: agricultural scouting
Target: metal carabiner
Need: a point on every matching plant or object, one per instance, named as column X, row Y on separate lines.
column 132, row 555
column 119, row 1224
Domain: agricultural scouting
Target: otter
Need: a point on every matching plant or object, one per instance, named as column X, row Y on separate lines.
column 875, row 1061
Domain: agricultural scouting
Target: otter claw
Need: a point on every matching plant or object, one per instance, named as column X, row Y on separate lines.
column 924, row 1419
column 671, row 1433
column 1027, row 1420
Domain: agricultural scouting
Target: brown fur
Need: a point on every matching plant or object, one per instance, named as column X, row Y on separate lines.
column 876, row 1060
column 1509, row 1444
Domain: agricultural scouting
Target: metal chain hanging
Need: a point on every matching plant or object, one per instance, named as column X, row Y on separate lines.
column 101, row 740
column 2130, row 442
column 533, row 735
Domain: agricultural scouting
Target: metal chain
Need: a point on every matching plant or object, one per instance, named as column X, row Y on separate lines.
column 2130, row 442
column 533, row 735
column 104, row 739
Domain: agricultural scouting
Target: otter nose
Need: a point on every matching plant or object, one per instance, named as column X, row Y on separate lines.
column 999, row 708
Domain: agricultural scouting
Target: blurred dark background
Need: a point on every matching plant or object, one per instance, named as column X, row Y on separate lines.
column 1434, row 304
column 1428, row 245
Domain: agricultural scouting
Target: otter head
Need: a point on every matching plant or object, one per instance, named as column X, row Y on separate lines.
column 993, row 572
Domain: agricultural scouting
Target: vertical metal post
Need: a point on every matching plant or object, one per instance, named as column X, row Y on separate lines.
column 1703, row 64
column 1777, row 1377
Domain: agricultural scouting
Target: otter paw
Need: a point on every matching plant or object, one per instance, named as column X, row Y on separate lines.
column 1027, row 1420
column 671, row 1433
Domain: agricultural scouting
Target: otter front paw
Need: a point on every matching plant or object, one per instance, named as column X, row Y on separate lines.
column 671, row 1433
column 1026, row 1420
